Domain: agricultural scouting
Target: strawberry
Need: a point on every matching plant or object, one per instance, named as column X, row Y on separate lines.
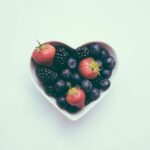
column 44, row 54
column 76, row 97
column 89, row 68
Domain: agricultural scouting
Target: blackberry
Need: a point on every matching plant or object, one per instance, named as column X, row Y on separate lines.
column 96, row 82
column 46, row 76
column 55, row 68
column 82, row 52
column 61, row 57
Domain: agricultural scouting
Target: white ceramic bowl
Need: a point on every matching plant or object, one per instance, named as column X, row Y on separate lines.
column 89, row 106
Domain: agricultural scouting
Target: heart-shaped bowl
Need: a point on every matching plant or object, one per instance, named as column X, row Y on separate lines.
column 52, row 100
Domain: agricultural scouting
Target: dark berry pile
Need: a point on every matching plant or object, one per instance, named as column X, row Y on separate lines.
column 64, row 74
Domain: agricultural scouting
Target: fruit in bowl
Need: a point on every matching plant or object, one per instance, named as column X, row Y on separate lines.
column 74, row 77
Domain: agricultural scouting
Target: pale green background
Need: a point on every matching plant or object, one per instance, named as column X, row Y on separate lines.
column 121, row 121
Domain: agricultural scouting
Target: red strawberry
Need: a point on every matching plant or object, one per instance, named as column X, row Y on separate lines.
column 76, row 97
column 44, row 54
column 89, row 68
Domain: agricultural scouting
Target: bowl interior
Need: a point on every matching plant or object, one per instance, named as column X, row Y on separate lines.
column 52, row 100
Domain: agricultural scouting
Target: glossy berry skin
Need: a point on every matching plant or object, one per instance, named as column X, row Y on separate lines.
column 99, row 62
column 105, row 73
column 76, row 97
column 95, row 93
column 104, row 84
column 60, row 86
column 72, row 63
column 72, row 109
column 49, row 89
column 96, row 82
column 44, row 54
column 68, row 84
column 76, row 78
column 88, row 68
column 109, row 63
column 88, row 100
column 86, row 85
column 66, row 74
column 61, row 102
column 95, row 50
column 103, row 54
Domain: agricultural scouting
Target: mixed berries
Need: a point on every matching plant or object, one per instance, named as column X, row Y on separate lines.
column 75, row 77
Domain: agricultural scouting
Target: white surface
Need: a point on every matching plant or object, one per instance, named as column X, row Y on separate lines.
column 121, row 121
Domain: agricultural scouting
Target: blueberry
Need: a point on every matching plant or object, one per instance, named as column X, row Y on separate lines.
column 49, row 89
column 95, row 50
column 61, row 102
column 99, row 62
column 72, row 109
column 109, row 63
column 68, row 84
column 76, row 78
column 86, row 85
column 105, row 73
column 95, row 93
column 88, row 100
column 66, row 74
column 104, row 84
column 103, row 54
column 72, row 63
column 60, row 86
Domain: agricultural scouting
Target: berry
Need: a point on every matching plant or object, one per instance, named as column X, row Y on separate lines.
column 105, row 73
column 46, row 76
column 96, row 82
column 109, row 63
column 76, row 97
column 66, row 74
column 72, row 109
column 49, row 89
column 76, row 78
column 82, row 52
column 95, row 93
column 88, row 68
column 88, row 100
column 99, row 62
column 72, row 63
column 56, row 68
column 61, row 102
column 61, row 57
column 68, row 84
column 103, row 54
column 44, row 54
column 86, row 85
column 95, row 50
column 60, row 86
column 105, row 84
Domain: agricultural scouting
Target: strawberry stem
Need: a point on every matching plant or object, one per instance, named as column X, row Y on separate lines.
column 40, row 45
column 72, row 91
